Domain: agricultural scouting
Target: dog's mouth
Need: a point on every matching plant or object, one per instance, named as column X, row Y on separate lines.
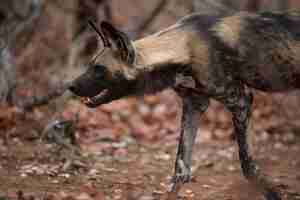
column 102, row 96
column 97, row 99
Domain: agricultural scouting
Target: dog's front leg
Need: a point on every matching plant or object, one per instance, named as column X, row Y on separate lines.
column 193, row 106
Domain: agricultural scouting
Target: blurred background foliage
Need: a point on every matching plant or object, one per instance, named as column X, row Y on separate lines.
column 47, row 42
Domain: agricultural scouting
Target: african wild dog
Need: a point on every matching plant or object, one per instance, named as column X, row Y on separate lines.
column 224, row 56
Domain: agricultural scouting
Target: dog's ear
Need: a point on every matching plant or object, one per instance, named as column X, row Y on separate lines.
column 104, row 40
column 119, row 41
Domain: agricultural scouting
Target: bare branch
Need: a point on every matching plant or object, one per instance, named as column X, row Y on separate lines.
column 36, row 101
column 107, row 10
column 147, row 22
column 252, row 5
column 214, row 7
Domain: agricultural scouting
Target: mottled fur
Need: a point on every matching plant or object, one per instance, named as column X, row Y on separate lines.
column 222, row 56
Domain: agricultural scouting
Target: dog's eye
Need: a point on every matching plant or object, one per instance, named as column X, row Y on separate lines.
column 99, row 72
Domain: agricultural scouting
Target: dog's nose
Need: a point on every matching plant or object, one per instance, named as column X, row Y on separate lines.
column 72, row 88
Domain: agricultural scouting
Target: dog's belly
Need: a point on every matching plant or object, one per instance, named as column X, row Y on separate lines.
column 270, row 78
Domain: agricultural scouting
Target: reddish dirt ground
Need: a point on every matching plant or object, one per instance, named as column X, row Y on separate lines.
column 142, row 171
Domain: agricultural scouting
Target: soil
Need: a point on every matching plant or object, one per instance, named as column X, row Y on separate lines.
column 142, row 171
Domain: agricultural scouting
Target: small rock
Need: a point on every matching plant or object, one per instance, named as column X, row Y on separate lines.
column 65, row 175
column 289, row 138
column 55, row 181
column 146, row 198
column 225, row 154
column 221, row 133
column 117, row 196
column 121, row 152
column 163, row 156
column 188, row 191
column 231, row 168
column 159, row 111
column 144, row 110
column 158, row 192
column 264, row 136
column 118, row 191
column 93, row 172
column 279, row 146
column 110, row 169
column 274, row 158
column 84, row 196
column 119, row 145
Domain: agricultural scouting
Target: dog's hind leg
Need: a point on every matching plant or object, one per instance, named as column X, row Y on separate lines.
column 238, row 101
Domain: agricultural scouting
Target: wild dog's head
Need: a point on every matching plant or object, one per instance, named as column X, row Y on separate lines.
column 106, row 78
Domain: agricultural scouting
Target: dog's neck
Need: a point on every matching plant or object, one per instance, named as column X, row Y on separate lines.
column 162, row 49
column 159, row 58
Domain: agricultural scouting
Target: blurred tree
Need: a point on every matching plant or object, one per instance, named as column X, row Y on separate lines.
column 7, row 76
column 97, row 10
column 276, row 5
column 225, row 7
column 218, row 7
column 15, row 18
column 251, row 5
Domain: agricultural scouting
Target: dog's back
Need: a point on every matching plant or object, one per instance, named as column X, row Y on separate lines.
column 261, row 50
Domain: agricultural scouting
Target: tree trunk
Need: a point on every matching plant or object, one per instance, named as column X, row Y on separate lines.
column 15, row 17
